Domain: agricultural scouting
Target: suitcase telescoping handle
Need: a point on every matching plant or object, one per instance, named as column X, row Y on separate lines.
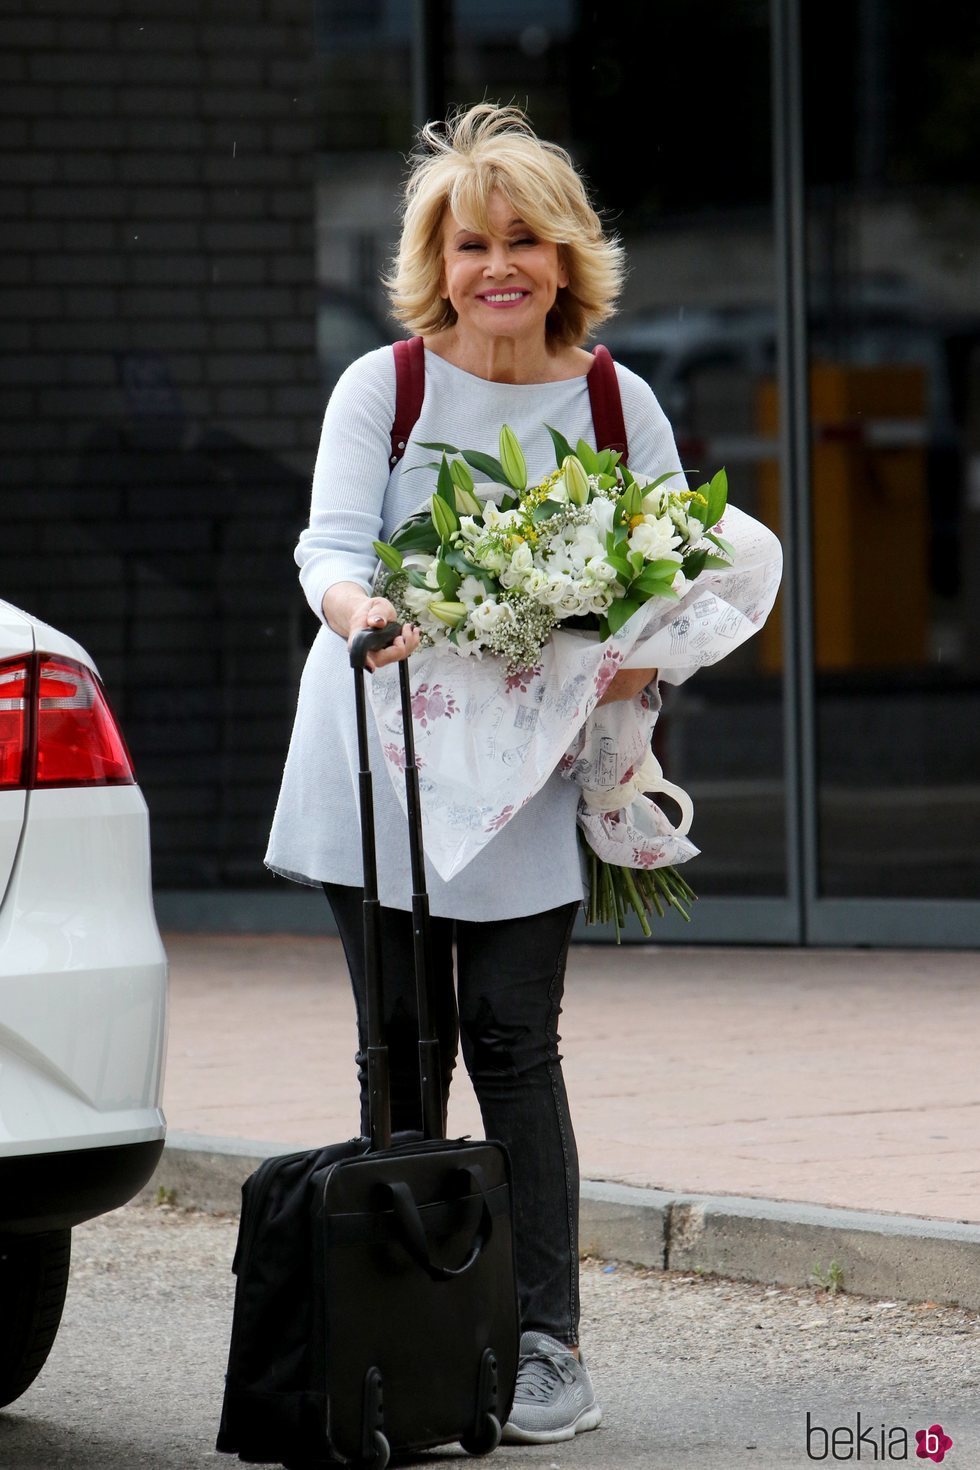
column 433, row 1116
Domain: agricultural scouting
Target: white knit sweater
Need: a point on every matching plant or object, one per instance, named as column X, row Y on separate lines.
column 533, row 863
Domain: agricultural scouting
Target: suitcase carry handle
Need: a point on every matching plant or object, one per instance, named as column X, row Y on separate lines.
column 379, row 1100
column 412, row 1230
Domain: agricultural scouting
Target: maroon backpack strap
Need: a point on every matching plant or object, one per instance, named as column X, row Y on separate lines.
column 409, row 392
column 607, row 404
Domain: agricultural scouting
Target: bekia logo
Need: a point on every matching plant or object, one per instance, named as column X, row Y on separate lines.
column 842, row 1442
column 932, row 1443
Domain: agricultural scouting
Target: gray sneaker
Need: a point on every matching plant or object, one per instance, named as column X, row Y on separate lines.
column 554, row 1398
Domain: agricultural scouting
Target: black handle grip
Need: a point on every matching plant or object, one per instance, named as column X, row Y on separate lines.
column 369, row 639
column 412, row 1231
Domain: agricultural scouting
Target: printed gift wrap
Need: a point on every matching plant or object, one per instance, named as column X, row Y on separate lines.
column 486, row 740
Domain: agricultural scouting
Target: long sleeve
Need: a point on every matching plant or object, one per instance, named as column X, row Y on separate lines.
column 349, row 480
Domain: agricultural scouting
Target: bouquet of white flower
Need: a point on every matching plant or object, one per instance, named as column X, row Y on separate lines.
column 480, row 571
column 588, row 546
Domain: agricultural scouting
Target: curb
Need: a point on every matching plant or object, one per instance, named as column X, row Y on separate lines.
column 901, row 1257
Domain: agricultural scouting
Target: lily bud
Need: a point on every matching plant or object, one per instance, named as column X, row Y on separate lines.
column 444, row 518
column 576, row 480
column 512, row 458
column 467, row 503
column 462, row 478
column 389, row 555
column 450, row 613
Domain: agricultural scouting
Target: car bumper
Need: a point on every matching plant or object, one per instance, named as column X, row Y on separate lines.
column 55, row 1191
column 83, row 987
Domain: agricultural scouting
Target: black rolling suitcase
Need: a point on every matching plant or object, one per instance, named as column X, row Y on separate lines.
column 375, row 1302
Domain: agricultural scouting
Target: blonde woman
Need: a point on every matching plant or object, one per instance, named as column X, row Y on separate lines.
column 504, row 271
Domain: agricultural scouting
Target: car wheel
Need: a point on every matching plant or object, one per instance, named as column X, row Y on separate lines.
column 33, row 1282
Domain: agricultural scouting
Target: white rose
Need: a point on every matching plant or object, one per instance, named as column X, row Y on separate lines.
column 490, row 614
column 534, row 581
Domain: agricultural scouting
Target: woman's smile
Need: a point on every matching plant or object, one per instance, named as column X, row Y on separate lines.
column 503, row 298
column 505, row 273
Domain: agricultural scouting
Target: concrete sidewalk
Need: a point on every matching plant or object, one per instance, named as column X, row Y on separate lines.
column 759, row 1106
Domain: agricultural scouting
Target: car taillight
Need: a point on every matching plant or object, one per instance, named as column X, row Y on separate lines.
column 56, row 728
column 14, row 733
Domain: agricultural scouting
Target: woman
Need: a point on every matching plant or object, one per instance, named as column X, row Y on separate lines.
column 504, row 270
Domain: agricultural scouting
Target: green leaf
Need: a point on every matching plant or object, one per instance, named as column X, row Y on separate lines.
column 546, row 510
column 655, row 484
column 693, row 564
column 416, row 536
column 717, row 498
column 445, row 488
column 448, row 580
column 635, row 559
column 508, row 502
column 721, row 543
column 455, row 558
column 430, row 464
column 389, row 555
column 588, row 456
column 621, row 611
column 487, row 465
column 663, row 566
column 435, row 444
column 562, row 447
column 654, row 584
column 710, row 560
column 620, row 566
column 417, row 578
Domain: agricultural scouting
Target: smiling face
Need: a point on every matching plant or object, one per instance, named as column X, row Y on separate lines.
column 501, row 283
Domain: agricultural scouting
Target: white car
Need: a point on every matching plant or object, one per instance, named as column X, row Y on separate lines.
column 83, row 979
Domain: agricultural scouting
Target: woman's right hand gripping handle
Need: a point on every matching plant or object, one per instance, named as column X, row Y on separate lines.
column 347, row 608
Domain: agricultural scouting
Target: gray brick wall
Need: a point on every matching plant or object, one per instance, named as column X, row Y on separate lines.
column 159, row 396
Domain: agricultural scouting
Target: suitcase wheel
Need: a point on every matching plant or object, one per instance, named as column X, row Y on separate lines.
column 486, row 1440
column 378, row 1459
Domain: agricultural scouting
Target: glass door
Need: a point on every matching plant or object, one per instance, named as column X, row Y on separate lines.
column 698, row 322
column 893, row 312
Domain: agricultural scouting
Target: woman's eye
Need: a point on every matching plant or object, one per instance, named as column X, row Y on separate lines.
column 471, row 245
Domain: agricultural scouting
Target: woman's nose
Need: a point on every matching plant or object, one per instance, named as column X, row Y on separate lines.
column 499, row 262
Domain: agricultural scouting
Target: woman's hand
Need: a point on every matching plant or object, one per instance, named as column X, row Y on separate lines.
column 347, row 609
column 374, row 612
column 626, row 685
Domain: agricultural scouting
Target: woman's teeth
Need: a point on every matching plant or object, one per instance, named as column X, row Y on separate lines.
column 505, row 296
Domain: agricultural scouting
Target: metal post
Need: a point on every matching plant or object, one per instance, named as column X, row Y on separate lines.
column 430, row 43
column 794, row 455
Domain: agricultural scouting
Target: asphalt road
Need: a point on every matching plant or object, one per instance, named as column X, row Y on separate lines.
column 691, row 1372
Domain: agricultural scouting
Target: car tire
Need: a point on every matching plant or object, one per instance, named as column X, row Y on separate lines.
column 33, row 1282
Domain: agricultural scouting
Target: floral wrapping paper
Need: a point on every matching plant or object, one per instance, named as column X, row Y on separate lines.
column 486, row 741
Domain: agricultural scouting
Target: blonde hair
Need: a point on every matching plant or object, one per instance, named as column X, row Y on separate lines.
column 458, row 165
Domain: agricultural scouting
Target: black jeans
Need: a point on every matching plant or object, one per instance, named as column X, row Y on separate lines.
column 510, row 978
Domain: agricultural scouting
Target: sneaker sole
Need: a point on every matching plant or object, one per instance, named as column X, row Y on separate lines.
column 588, row 1419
